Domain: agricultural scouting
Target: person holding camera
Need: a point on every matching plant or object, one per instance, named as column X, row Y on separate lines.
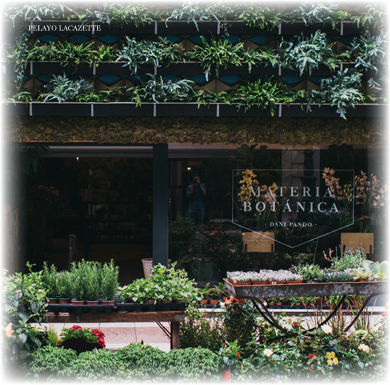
column 195, row 193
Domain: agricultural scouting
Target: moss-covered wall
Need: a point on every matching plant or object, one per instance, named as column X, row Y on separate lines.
column 151, row 130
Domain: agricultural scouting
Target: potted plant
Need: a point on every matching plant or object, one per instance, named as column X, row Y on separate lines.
column 49, row 280
column 64, row 287
column 93, row 277
column 109, row 282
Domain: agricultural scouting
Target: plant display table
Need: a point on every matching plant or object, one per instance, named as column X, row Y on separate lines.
column 174, row 317
column 255, row 292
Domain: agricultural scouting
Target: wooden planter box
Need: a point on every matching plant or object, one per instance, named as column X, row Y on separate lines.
column 119, row 69
column 17, row 109
column 125, row 29
column 357, row 240
column 55, row 68
column 238, row 28
column 231, row 110
column 298, row 27
column 258, row 242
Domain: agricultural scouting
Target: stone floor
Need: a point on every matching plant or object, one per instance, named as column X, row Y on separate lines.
column 118, row 335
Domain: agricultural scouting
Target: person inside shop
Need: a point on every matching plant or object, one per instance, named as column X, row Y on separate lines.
column 196, row 193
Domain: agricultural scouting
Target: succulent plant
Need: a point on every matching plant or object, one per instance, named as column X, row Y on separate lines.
column 337, row 276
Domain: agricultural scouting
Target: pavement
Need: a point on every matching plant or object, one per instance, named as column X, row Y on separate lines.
column 121, row 334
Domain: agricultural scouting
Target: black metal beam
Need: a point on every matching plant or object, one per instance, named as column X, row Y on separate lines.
column 160, row 204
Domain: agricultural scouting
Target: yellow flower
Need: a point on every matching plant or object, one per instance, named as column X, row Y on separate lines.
column 330, row 355
column 330, row 362
column 387, row 305
column 336, row 361
column 8, row 330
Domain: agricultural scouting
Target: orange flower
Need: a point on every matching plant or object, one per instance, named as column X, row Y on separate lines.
column 384, row 314
column 226, row 376
column 9, row 331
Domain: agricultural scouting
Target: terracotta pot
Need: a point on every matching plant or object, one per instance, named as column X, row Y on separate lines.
column 224, row 299
column 92, row 302
column 204, row 301
column 279, row 303
column 77, row 302
column 52, row 301
column 65, row 301
column 213, row 301
column 109, row 302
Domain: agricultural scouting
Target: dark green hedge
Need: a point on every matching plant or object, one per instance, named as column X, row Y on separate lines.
column 152, row 130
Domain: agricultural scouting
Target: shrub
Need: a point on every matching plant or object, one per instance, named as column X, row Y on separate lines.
column 50, row 363
column 24, row 301
column 97, row 365
column 143, row 361
column 194, row 364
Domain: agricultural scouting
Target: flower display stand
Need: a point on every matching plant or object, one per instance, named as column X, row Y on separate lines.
column 174, row 317
column 255, row 292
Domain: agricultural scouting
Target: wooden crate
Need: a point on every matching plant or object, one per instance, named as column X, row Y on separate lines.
column 356, row 240
column 259, row 242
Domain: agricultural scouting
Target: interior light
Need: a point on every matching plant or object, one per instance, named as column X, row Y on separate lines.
column 77, row 158
column 188, row 168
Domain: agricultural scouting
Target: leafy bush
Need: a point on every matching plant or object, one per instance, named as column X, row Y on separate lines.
column 372, row 52
column 50, row 363
column 109, row 279
column 191, row 11
column 37, row 11
column 196, row 331
column 143, row 362
column 24, row 301
column 318, row 12
column 62, row 89
column 307, row 53
column 349, row 259
column 377, row 15
column 193, row 364
column 340, row 90
column 263, row 94
column 157, row 90
column 118, row 13
column 146, row 52
column 97, row 365
column 261, row 17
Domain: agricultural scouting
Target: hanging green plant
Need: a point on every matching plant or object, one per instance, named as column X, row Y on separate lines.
column 261, row 17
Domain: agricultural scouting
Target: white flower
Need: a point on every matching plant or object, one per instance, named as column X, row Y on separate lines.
column 326, row 329
column 268, row 352
column 364, row 347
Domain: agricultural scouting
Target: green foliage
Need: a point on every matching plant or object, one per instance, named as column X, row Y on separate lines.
column 307, row 53
column 157, row 90
column 263, row 94
column 109, row 282
column 97, row 365
column 197, row 331
column 146, row 52
column 24, row 303
column 314, row 12
column 191, row 11
column 37, row 11
column 71, row 54
column 43, row 52
column 349, row 259
column 369, row 50
column 193, row 364
column 49, row 279
column 50, row 363
column 118, row 13
column 310, row 273
column 62, row 89
column 337, row 276
column 94, row 276
column 12, row 92
column 164, row 284
column 85, row 334
column 261, row 17
column 143, row 362
column 340, row 90
column 375, row 17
